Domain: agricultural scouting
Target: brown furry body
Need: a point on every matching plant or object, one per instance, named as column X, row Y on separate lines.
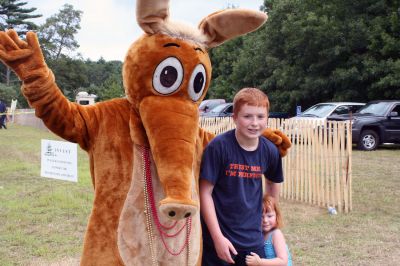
column 112, row 162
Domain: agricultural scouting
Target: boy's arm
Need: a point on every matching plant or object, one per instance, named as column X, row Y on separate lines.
column 272, row 189
column 222, row 245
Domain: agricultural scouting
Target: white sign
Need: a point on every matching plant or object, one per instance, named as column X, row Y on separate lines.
column 13, row 105
column 59, row 160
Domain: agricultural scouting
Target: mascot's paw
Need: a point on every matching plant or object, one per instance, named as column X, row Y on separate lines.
column 24, row 58
column 272, row 136
column 279, row 139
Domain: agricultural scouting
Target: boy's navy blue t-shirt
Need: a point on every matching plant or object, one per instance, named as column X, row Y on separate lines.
column 237, row 194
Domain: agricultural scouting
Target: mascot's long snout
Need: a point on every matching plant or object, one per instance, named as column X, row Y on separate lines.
column 171, row 125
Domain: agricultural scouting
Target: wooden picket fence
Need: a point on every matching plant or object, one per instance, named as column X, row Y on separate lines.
column 317, row 168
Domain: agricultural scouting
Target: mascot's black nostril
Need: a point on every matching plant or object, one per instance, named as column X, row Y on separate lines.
column 187, row 215
column 171, row 213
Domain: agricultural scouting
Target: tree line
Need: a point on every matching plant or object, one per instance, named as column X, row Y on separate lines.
column 57, row 40
column 308, row 52
column 315, row 51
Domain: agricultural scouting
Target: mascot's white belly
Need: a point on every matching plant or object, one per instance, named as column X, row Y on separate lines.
column 142, row 240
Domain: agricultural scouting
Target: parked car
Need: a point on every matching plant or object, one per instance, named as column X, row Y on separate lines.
column 321, row 111
column 376, row 123
column 207, row 105
column 221, row 110
column 318, row 114
column 226, row 109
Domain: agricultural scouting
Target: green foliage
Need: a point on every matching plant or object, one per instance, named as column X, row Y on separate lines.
column 57, row 38
column 99, row 71
column 8, row 93
column 101, row 78
column 57, row 34
column 308, row 52
column 7, row 76
column 313, row 51
column 73, row 75
column 70, row 75
column 105, row 79
column 222, row 59
column 111, row 88
column 13, row 15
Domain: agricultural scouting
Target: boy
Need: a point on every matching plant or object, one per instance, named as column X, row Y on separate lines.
column 231, row 185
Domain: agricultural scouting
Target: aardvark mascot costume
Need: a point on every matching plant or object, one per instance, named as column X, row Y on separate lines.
column 145, row 149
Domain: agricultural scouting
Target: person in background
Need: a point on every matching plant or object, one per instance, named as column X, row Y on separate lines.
column 3, row 115
column 276, row 250
column 231, row 183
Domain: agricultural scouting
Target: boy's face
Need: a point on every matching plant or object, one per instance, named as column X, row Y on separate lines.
column 251, row 121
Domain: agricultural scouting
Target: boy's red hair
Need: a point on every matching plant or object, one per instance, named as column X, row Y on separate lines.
column 269, row 204
column 250, row 96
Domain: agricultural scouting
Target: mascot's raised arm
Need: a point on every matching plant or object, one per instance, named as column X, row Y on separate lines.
column 145, row 149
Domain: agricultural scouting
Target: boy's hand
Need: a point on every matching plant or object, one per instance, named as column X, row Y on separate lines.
column 253, row 259
column 224, row 248
column 279, row 139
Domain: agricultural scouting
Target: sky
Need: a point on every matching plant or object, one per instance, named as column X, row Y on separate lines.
column 108, row 27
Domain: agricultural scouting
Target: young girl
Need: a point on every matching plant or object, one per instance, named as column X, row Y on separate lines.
column 276, row 250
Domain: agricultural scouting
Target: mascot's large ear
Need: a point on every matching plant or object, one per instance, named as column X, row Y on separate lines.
column 230, row 23
column 151, row 14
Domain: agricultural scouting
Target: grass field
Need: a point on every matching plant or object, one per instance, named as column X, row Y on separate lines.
column 42, row 221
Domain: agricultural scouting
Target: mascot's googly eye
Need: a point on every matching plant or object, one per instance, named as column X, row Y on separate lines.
column 197, row 82
column 168, row 76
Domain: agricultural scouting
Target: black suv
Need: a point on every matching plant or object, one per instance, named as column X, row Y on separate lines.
column 375, row 123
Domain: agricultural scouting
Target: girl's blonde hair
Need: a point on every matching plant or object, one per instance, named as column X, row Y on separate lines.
column 269, row 204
